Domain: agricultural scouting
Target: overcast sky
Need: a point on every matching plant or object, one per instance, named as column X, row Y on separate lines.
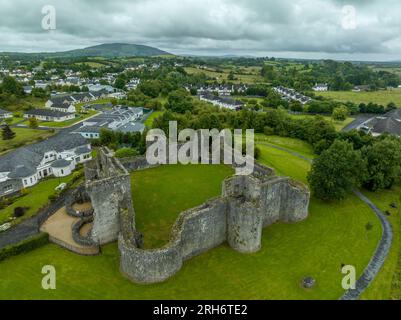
column 354, row 29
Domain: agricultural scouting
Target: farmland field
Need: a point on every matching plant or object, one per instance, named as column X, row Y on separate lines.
column 382, row 97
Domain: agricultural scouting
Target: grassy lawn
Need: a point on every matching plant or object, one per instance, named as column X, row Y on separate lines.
column 161, row 194
column 35, row 199
column 23, row 137
column 152, row 117
column 26, row 103
column 12, row 121
column 253, row 76
column 100, row 101
column 387, row 285
column 382, row 97
column 292, row 144
column 339, row 125
column 63, row 124
column 333, row 235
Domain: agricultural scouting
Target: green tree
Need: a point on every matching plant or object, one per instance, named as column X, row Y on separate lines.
column 337, row 171
column 12, row 86
column 120, row 82
column 384, row 162
column 7, row 133
column 340, row 113
column 33, row 123
column 180, row 101
column 150, row 88
column 126, row 153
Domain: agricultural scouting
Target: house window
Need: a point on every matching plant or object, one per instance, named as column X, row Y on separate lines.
column 25, row 182
column 8, row 188
column 62, row 171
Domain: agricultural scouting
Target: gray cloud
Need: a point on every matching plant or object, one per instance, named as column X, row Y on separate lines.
column 298, row 28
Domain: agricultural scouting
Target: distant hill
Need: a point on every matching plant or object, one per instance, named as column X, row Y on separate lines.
column 108, row 50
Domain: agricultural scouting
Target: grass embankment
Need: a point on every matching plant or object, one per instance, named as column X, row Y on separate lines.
column 34, row 199
column 387, row 285
column 382, row 97
column 152, row 117
column 338, row 125
column 23, row 137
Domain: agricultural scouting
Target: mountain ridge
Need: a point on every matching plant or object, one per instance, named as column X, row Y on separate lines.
column 106, row 50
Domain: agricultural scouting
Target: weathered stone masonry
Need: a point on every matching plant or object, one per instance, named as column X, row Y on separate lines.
column 246, row 206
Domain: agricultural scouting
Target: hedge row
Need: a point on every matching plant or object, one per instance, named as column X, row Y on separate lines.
column 27, row 245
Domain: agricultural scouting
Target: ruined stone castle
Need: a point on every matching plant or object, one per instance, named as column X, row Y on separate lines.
column 246, row 206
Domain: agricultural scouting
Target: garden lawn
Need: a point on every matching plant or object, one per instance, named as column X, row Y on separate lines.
column 162, row 193
column 23, row 137
column 223, row 76
column 382, row 97
column 338, row 125
column 334, row 234
column 64, row 124
column 35, row 199
column 292, row 144
column 387, row 285
column 152, row 117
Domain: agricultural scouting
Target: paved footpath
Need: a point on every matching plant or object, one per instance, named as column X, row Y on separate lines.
column 382, row 251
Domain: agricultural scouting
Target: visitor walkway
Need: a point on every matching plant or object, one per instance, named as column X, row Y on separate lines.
column 59, row 228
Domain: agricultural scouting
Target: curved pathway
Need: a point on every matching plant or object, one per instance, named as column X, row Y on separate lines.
column 382, row 251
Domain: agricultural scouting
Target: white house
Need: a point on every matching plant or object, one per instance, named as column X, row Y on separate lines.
column 321, row 87
column 121, row 118
column 56, row 156
column 5, row 114
column 223, row 102
column 49, row 115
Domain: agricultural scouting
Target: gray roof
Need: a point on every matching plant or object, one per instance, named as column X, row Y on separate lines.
column 21, row 172
column 83, row 150
column 89, row 129
column 47, row 113
column 132, row 127
column 389, row 125
column 4, row 111
column 62, row 163
column 31, row 156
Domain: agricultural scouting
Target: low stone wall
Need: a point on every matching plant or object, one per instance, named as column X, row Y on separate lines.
column 136, row 163
column 76, row 234
column 77, row 196
column 248, row 204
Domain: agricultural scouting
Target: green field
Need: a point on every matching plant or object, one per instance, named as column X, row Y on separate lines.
column 339, row 125
column 152, row 117
column 23, row 137
column 157, row 204
column 252, row 76
column 334, row 234
column 382, row 97
column 64, row 124
column 35, row 198
column 292, row 144
column 387, row 285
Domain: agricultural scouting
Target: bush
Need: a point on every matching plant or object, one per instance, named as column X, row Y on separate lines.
column 19, row 212
column 25, row 246
column 126, row 153
column 52, row 197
